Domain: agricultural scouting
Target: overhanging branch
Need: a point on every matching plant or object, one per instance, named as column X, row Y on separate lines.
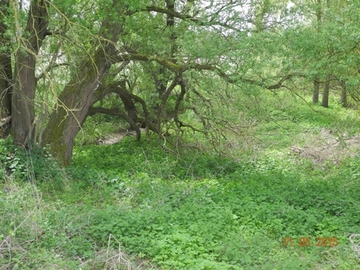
column 180, row 68
column 116, row 112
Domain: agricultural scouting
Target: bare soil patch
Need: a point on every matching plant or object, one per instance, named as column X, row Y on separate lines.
column 117, row 137
column 325, row 147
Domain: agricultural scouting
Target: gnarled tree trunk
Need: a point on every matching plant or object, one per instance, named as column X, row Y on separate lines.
column 76, row 98
column 73, row 105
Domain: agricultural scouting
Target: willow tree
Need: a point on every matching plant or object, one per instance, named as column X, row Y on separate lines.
column 163, row 62
column 96, row 43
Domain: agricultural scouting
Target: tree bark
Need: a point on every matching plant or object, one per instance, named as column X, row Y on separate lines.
column 5, row 71
column 73, row 105
column 23, row 94
column 315, row 97
column 77, row 97
column 343, row 96
column 325, row 96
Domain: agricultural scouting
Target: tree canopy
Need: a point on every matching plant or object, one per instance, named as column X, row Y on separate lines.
column 164, row 65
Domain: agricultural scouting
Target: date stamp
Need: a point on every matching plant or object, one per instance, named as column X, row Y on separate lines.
column 307, row 242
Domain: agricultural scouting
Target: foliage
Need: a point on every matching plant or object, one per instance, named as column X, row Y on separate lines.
column 29, row 165
column 175, row 66
column 249, row 210
column 151, row 206
column 236, row 167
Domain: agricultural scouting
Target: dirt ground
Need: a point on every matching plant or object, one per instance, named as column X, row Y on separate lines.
column 117, row 137
column 326, row 146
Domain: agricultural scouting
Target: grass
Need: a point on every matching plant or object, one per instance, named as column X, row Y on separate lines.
column 135, row 205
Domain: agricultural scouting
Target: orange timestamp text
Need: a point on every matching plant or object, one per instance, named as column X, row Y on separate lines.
column 306, row 242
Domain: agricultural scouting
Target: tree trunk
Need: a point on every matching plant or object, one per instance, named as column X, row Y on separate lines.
column 325, row 96
column 343, row 96
column 23, row 113
column 23, row 94
column 164, row 74
column 77, row 97
column 5, row 71
column 315, row 97
column 5, row 85
column 73, row 105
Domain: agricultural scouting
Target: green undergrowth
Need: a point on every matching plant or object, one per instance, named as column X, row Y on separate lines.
column 136, row 205
column 149, row 205
column 283, row 120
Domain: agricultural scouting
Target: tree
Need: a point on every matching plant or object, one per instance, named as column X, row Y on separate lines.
column 76, row 98
column 343, row 96
column 108, row 47
column 24, row 88
column 162, row 66
column 316, row 92
column 325, row 47
column 5, row 71
column 325, row 95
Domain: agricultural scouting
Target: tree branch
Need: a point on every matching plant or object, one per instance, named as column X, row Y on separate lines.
column 116, row 112
column 180, row 68
column 49, row 68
